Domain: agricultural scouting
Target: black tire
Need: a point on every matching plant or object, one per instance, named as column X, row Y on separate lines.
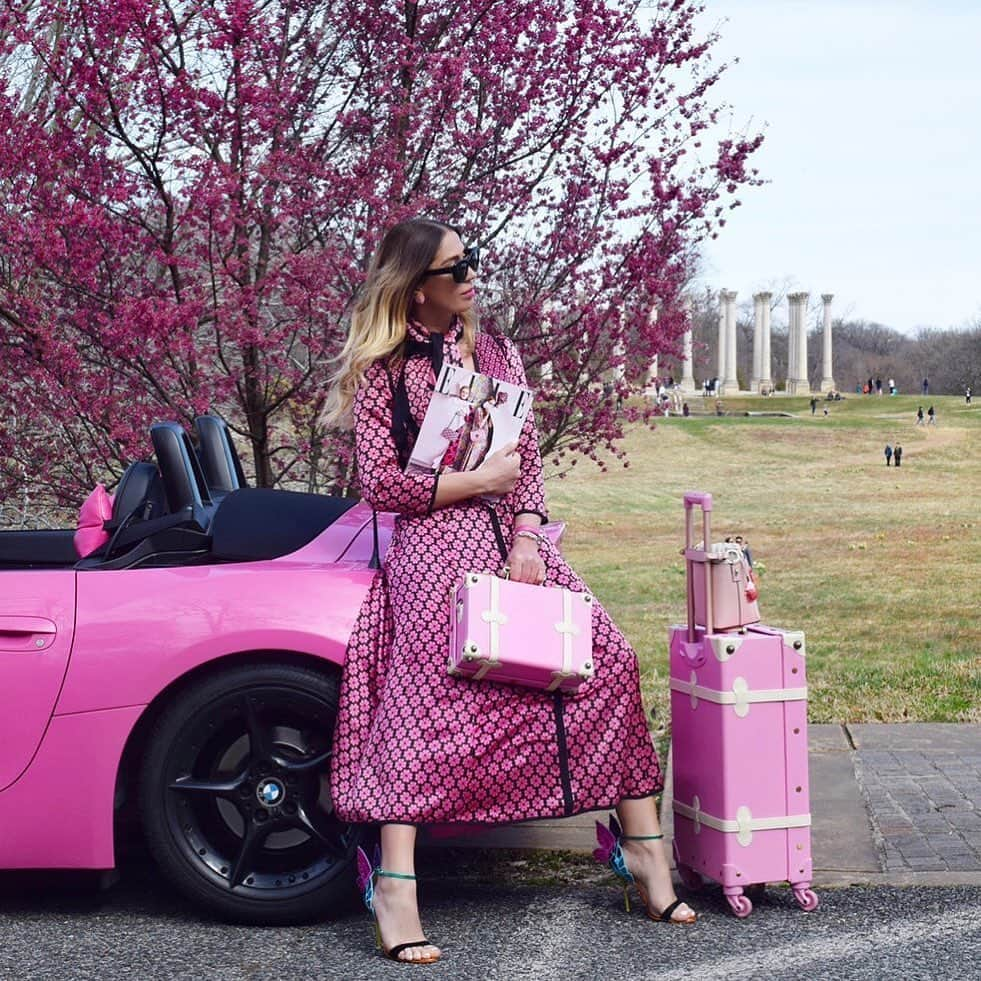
column 234, row 796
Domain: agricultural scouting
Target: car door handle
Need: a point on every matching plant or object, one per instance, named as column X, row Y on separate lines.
column 26, row 633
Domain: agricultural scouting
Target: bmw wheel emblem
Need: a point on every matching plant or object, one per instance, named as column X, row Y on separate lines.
column 270, row 792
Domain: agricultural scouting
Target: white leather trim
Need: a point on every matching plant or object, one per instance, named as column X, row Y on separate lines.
column 744, row 825
column 741, row 696
column 720, row 644
column 791, row 637
column 567, row 629
column 495, row 618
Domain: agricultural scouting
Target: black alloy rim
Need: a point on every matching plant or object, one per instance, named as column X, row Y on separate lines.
column 247, row 794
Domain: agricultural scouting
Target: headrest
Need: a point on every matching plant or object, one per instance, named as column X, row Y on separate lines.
column 219, row 458
column 183, row 479
column 141, row 490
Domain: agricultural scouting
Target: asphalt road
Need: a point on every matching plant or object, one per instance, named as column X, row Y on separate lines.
column 61, row 927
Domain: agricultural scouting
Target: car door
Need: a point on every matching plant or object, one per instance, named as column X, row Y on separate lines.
column 37, row 623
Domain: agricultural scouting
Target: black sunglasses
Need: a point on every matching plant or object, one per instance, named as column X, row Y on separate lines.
column 459, row 270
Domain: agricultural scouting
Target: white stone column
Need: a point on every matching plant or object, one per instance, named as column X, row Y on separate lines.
column 653, row 370
column 791, row 380
column 731, row 383
column 619, row 368
column 687, row 369
column 797, row 383
column 754, row 381
column 802, row 346
column 654, row 367
column 720, row 370
column 827, row 378
column 766, row 366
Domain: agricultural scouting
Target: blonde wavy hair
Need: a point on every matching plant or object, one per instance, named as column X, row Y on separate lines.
column 380, row 315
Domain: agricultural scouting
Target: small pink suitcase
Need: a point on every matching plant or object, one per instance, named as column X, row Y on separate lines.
column 739, row 744
column 520, row 633
column 728, row 597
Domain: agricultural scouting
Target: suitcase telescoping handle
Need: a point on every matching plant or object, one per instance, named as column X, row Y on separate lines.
column 701, row 500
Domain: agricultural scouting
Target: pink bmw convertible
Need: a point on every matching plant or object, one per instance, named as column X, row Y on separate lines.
column 188, row 671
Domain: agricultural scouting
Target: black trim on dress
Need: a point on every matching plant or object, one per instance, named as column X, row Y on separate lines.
column 498, row 533
column 559, row 704
column 432, row 499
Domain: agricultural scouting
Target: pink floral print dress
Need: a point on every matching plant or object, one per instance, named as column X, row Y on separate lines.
column 414, row 745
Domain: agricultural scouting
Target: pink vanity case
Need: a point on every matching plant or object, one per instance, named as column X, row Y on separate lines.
column 534, row 636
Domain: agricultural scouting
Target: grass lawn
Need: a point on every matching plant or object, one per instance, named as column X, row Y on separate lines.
column 880, row 567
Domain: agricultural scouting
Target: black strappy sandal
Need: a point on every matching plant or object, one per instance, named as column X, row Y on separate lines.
column 367, row 873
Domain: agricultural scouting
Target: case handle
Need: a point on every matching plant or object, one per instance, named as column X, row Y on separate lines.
column 701, row 499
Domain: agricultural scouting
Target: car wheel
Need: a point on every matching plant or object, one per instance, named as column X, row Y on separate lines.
column 235, row 798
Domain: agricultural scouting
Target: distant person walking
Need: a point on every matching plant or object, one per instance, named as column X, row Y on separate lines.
column 926, row 386
column 814, row 405
column 967, row 396
column 897, row 454
column 888, row 454
column 919, row 416
column 931, row 417
column 892, row 386
column 878, row 386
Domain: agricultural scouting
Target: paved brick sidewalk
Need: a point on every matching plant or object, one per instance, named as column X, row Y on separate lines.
column 922, row 785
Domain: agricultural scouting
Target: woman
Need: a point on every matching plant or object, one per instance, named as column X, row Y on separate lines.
column 480, row 435
column 412, row 744
column 452, row 432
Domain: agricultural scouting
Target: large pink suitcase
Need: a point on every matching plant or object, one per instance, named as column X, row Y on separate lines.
column 739, row 743
column 521, row 634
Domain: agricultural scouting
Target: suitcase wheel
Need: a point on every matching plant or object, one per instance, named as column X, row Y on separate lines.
column 741, row 905
column 806, row 899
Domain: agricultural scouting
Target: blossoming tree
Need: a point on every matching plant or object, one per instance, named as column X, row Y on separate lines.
column 190, row 192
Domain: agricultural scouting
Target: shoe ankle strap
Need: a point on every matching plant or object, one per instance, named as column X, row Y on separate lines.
column 393, row 875
column 641, row 837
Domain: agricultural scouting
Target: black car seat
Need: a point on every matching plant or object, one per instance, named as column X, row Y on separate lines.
column 158, row 510
column 139, row 494
column 139, row 497
column 219, row 459
column 177, row 460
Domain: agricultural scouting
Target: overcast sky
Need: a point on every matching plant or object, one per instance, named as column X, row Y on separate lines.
column 872, row 115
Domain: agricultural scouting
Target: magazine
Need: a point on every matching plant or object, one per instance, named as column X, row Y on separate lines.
column 469, row 417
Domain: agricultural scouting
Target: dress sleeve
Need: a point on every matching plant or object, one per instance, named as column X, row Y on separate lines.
column 383, row 484
column 528, row 495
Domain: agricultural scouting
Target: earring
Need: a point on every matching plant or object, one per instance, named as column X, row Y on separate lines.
column 420, row 298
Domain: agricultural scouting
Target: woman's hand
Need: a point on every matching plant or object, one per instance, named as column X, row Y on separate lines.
column 499, row 472
column 525, row 563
